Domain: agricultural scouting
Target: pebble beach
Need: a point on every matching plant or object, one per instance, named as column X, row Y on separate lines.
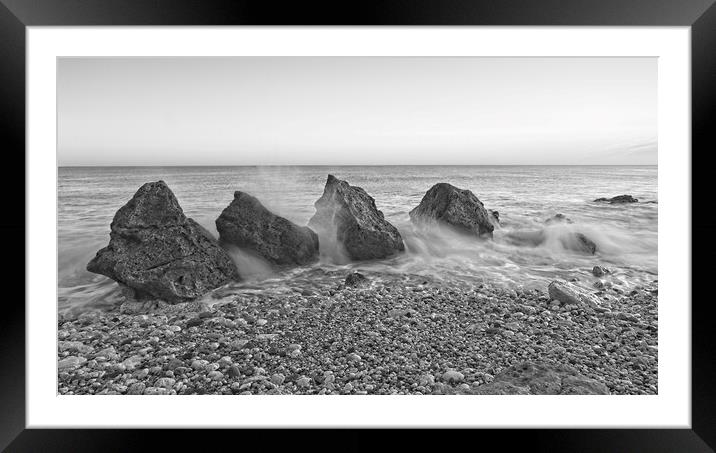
column 378, row 335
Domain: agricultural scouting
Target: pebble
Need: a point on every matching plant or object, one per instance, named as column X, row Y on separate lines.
column 348, row 337
column 453, row 376
column 215, row 375
column 278, row 378
column 132, row 362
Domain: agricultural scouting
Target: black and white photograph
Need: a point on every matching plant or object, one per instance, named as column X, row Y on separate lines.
column 285, row 225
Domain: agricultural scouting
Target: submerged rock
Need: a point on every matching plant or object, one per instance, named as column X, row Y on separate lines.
column 579, row 243
column 530, row 378
column 247, row 224
column 158, row 252
column 570, row 240
column 618, row 199
column 558, row 218
column 347, row 216
column 457, row 208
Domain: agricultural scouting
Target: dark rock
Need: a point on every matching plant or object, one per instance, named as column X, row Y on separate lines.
column 494, row 217
column 457, row 208
column 356, row 279
column 247, row 224
column 157, row 252
column 618, row 199
column 599, row 271
column 578, row 242
column 541, row 379
column 347, row 216
column 558, row 218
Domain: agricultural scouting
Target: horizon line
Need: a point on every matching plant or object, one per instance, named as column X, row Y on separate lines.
column 355, row 165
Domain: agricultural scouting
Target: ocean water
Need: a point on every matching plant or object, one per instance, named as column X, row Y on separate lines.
column 626, row 235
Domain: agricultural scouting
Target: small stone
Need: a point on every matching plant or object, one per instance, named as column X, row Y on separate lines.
column 303, row 382
column 453, row 376
column 278, row 378
column 165, row 382
column 156, row 391
column 174, row 364
column 426, row 380
column 234, row 371
column 348, row 387
column 199, row 364
column 136, row 389
column 132, row 362
column 353, row 357
column 215, row 375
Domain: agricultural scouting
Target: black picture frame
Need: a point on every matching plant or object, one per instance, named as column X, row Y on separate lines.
column 16, row 15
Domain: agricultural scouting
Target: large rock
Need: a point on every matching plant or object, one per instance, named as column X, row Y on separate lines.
column 159, row 253
column 247, row 224
column 541, row 379
column 347, row 215
column 619, row 199
column 457, row 208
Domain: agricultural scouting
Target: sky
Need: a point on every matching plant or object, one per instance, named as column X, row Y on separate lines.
column 357, row 111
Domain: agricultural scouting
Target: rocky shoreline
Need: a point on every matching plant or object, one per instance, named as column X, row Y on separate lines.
column 379, row 335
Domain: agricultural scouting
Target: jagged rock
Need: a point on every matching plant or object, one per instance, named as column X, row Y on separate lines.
column 457, row 208
column 558, row 218
column 247, row 224
column 157, row 252
column 541, row 379
column 356, row 279
column 347, row 215
column 618, row 199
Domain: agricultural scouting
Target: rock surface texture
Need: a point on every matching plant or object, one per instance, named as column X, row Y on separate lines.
column 457, row 208
column 347, row 215
column 247, row 224
column 619, row 199
column 159, row 253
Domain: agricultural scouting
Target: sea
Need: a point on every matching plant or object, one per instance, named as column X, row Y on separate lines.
column 626, row 235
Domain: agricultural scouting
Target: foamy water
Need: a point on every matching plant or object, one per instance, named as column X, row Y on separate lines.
column 626, row 235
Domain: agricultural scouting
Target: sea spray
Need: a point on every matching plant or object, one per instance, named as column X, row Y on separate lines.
column 626, row 235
